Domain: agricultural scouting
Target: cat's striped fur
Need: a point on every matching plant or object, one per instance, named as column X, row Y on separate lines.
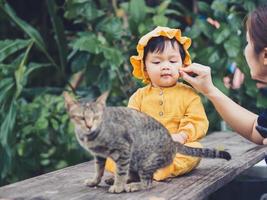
column 136, row 142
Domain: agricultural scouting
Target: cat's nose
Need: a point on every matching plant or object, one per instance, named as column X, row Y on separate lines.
column 88, row 125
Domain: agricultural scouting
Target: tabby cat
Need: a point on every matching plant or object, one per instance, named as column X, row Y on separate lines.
column 136, row 142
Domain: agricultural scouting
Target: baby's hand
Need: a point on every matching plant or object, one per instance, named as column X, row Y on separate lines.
column 179, row 137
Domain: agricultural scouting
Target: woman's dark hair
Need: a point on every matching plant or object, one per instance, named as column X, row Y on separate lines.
column 157, row 44
column 257, row 28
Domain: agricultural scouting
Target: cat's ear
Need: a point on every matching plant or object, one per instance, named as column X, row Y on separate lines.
column 103, row 98
column 69, row 100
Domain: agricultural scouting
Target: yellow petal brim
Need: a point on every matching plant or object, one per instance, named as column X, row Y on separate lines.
column 137, row 61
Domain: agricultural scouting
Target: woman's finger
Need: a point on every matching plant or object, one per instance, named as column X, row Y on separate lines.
column 196, row 69
column 187, row 78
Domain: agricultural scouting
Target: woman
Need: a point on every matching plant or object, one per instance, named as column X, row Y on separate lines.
column 249, row 125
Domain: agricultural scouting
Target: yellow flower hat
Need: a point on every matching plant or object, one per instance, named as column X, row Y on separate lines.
column 137, row 61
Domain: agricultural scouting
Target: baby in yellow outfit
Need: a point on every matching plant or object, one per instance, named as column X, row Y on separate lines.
column 161, row 53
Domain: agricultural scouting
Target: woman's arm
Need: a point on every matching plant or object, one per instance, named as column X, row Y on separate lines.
column 240, row 119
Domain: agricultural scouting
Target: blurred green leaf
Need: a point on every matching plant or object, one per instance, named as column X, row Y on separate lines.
column 235, row 21
column 193, row 32
column 80, row 61
column 204, row 27
column 203, row 7
column 61, row 164
column 219, row 7
column 87, row 42
column 45, row 162
column 250, row 5
column 49, row 153
column 7, row 124
column 59, row 33
column 114, row 57
column 85, row 9
column 20, row 72
column 112, row 27
column 137, row 10
column 5, row 87
column 54, row 124
column 232, row 46
column 221, row 34
column 160, row 20
column 35, row 66
column 172, row 12
column 41, row 123
column 162, row 8
column 8, row 47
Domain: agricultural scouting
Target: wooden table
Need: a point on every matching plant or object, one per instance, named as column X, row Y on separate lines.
column 209, row 176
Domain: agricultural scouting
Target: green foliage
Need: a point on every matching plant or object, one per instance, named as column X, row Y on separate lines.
column 224, row 46
column 44, row 134
column 27, row 28
column 87, row 49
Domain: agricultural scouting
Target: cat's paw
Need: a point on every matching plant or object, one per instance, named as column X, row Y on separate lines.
column 91, row 182
column 109, row 181
column 132, row 187
column 116, row 189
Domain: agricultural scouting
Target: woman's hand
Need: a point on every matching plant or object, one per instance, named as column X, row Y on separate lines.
column 201, row 80
column 179, row 137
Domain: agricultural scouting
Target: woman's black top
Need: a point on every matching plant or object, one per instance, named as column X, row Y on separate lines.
column 262, row 124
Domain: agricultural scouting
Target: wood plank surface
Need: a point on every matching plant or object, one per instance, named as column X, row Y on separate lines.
column 209, row 176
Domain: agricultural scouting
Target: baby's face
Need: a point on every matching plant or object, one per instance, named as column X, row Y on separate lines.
column 163, row 67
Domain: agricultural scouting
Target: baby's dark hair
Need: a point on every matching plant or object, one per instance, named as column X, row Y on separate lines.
column 157, row 44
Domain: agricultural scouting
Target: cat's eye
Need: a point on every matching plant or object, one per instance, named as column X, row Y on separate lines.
column 78, row 118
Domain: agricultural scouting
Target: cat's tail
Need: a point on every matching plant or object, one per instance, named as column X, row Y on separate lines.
column 202, row 152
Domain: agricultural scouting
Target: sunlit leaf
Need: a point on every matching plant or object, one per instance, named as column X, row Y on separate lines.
column 87, row 42
column 20, row 72
column 161, row 9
